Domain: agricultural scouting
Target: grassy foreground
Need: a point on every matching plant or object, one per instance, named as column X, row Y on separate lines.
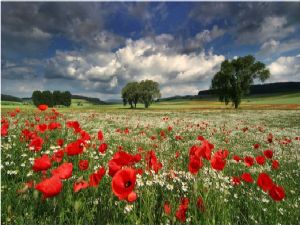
column 170, row 134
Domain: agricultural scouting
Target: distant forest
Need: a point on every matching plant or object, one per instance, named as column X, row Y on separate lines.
column 270, row 88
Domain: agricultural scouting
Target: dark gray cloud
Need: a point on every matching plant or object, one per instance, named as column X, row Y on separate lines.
column 248, row 22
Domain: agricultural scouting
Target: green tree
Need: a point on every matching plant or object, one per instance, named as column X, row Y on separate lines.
column 233, row 80
column 130, row 94
column 149, row 91
column 67, row 98
column 37, row 98
column 47, row 98
column 57, row 98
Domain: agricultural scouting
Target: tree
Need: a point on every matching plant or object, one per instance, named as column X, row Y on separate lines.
column 47, row 98
column 37, row 98
column 130, row 94
column 145, row 92
column 235, row 77
column 149, row 91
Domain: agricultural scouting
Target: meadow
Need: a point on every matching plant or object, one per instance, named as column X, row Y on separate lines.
column 194, row 162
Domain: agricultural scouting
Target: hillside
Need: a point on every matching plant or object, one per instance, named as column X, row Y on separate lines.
column 10, row 98
column 270, row 88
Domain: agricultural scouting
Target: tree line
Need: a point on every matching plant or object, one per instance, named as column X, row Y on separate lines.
column 51, row 98
column 144, row 92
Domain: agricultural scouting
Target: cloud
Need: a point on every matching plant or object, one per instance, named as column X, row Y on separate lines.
column 285, row 69
column 272, row 27
column 147, row 58
column 273, row 47
column 203, row 37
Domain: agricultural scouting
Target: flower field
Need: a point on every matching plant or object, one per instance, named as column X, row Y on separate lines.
column 141, row 167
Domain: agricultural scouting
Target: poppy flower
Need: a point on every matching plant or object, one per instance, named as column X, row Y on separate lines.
column 275, row 164
column 64, row 171
column 96, row 177
column 83, row 164
column 260, row 160
column 218, row 161
column 58, row 156
column 60, row 142
column 270, row 138
column 256, row 146
column 42, row 163
column 36, row 144
column 277, row 193
column 123, row 183
column 132, row 197
column 75, row 148
column 236, row 180
column 152, row 161
column 195, row 164
column 102, row 148
column 50, row 187
column 181, row 211
column 236, row 158
column 167, row 208
column 264, row 182
column 42, row 127
column 247, row 177
column 4, row 129
column 268, row 153
column 249, row 161
column 75, row 125
column 43, row 107
column 80, row 185
column 200, row 204
column 100, row 135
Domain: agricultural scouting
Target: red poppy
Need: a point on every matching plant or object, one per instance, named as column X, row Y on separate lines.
column 80, row 185
column 42, row 163
column 4, row 129
column 58, row 156
column 60, row 142
column 236, row 180
column 64, row 171
column 132, row 197
column 260, row 159
column 75, row 148
column 54, row 125
column 268, row 153
column 100, row 135
column 200, row 204
column 256, row 146
column 50, row 187
column 236, row 158
column 181, row 211
column 195, row 164
column 249, row 161
column 264, row 182
column 152, row 161
column 102, row 148
column 36, row 144
column 83, row 164
column 218, row 161
column 277, row 193
column 43, row 107
column 275, row 164
column 121, row 159
column 247, row 177
column 42, row 127
column 75, row 125
column 123, row 183
column 167, row 208
column 177, row 154
column 270, row 138
column 170, row 128
column 96, row 177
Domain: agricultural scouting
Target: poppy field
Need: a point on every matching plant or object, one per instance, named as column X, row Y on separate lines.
column 150, row 167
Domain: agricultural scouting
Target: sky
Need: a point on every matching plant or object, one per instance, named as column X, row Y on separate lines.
column 95, row 48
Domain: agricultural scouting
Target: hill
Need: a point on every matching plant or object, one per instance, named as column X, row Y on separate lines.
column 95, row 101
column 270, row 88
column 10, row 98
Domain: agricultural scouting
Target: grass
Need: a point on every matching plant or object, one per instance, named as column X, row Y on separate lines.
column 224, row 202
